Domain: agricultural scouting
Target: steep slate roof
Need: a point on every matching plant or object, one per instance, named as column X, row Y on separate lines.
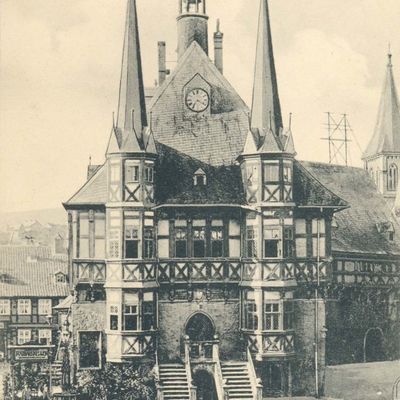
column 174, row 180
column 20, row 277
column 94, row 191
column 386, row 138
column 357, row 231
column 215, row 139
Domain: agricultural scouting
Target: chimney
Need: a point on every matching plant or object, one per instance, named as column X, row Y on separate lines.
column 218, row 49
column 162, row 63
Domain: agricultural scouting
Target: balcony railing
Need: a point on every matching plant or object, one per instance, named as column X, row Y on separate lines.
column 89, row 271
column 272, row 344
column 301, row 271
column 134, row 345
column 201, row 270
column 139, row 272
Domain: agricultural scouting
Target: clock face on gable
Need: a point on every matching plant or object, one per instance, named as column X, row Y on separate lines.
column 197, row 100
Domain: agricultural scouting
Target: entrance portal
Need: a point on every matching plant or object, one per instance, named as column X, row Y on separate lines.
column 200, row 328
column 374, row 349
column 206, row 389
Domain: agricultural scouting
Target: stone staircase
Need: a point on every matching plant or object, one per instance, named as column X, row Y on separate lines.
column 237, row 378
column 174, row 381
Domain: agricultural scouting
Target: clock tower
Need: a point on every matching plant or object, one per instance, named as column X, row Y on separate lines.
column 192, row 25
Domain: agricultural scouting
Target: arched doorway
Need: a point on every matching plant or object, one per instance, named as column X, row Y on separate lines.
column 200, row 328
column 374, row 349
column 205, row 384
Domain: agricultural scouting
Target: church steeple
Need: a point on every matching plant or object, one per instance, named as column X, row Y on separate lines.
column 266, row 109
column 128, row 131
column 386, row 138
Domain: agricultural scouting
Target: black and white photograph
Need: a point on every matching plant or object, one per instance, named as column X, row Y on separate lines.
column 200, row 199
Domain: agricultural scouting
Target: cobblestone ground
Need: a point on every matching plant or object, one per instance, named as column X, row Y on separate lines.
column 371, row 381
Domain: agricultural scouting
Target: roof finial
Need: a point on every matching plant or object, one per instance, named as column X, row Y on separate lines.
column 90, row 160
column 290, row 121
column 218, row 25
column 389, row 55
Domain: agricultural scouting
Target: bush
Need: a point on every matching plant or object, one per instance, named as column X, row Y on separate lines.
column 118, row 382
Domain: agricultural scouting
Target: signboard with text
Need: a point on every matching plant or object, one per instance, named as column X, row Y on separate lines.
column 31, row 355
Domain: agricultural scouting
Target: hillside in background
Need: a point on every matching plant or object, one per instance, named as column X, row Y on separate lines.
column 56, row 216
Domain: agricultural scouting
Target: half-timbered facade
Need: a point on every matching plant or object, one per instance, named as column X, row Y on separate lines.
column 203, row 244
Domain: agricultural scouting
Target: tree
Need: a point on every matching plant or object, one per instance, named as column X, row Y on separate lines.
column 118, row 382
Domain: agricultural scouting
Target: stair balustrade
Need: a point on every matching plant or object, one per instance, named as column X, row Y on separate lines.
column 160, row 393
column 192, row 387
column 255, row 382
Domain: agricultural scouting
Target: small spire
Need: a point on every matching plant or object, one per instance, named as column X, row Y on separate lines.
column 90, row 160
column 386, row 137
column 390, row 56
column 265, row 88
column 131, row 93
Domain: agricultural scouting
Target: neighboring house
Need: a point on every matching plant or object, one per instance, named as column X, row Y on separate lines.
column 203, row 245
column 32, row 282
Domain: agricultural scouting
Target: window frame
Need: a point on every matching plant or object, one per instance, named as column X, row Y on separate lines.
column 277, row 241
column 219, row 240
column 5, row 307
column 21, row 338
column 393, row 176
column 21, row 306
column 183, row 230
column 131, row 239
column 250, row 312
column 113, row 315
column 149, row 242
column 49, row 307
column 251, row 241
column 48, row 336
column 272, row 316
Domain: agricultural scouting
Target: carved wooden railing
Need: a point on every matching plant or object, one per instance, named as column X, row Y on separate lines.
column 139, row 272
column 160, row 391
column 137, row 344
column 192, row 387
column 199, row 270
column 300, row 271
column 255, row 382
column 86, row 271
column 365, row 272
column 272, row 343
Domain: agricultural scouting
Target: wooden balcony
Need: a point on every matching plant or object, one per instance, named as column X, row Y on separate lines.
column 126, row 345
column 89, row 271
column 200, row 270
column 299, row 271
column 349, row 272
column 272, row 344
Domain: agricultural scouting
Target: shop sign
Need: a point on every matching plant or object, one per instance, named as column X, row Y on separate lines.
column 31, row 355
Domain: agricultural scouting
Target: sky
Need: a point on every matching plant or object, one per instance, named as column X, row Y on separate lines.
column 60, row 65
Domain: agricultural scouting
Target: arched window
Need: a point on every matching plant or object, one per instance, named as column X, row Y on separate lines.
column 392, row 177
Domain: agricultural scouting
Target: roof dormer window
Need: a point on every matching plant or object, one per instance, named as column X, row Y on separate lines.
column 386, row 229
column 200, row 178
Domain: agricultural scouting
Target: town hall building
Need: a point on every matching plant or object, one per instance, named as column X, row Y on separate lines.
column 203, row 246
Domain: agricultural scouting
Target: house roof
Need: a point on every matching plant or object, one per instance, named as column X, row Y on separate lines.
column 357, row 225
column 29, row 271
column 93, row 191
column 175, row 180
column 386, row 137
column 224, row 125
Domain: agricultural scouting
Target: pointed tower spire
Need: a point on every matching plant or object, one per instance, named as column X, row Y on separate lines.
column 265, row 89
column 131, row 105
column 386, row 138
